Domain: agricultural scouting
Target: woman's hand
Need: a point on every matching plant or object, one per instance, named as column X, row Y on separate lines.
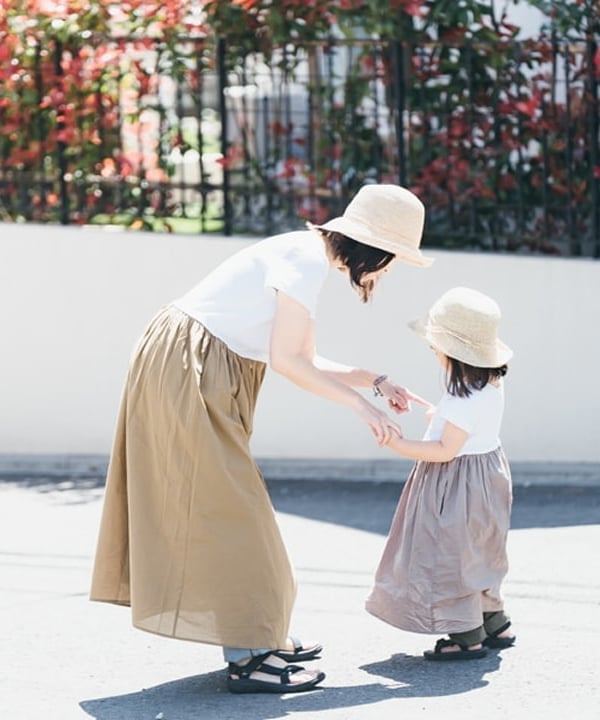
column 399, row 398
column 381, row 425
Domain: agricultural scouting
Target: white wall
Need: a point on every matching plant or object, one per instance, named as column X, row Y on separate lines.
column 526, row 17
column 74, row 300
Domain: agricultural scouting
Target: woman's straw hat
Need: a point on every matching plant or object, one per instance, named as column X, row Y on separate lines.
column 388, row 217
column 463, row 324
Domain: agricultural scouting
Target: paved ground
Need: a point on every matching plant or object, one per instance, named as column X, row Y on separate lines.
column 64, row 658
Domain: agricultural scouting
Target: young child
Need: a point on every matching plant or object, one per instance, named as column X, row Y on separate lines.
column 445, row 556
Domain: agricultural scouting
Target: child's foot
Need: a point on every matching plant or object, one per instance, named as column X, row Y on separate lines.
column 457, row 648
column 446, row 649
column 501, row 639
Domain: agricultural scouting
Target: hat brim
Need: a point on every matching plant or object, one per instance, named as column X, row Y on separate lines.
column 495, row 357
column 362, row 234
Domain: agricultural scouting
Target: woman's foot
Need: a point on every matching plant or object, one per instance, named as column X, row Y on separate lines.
column 269, row 673
column 296, row 651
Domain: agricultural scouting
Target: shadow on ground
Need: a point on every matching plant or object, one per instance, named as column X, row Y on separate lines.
column 415, row 677
column 365, row 505
column 370, row 506
column 400, row 676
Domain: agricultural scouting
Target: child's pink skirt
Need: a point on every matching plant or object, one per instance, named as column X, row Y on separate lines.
column 445, row 556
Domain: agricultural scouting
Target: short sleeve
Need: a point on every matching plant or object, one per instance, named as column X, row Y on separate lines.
column 299, row 276
column 457, row 411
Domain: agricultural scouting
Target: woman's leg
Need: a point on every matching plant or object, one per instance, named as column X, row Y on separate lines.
column 294, row 651
column 237, row 655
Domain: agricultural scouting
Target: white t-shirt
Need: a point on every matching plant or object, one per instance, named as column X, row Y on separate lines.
column 236, row 301
column 479, row 414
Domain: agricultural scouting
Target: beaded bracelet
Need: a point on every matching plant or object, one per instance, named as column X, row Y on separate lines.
column 376, row 383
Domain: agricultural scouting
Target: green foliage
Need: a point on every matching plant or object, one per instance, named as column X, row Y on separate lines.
column 571, row 20
column 495, row 134
column 79, row 86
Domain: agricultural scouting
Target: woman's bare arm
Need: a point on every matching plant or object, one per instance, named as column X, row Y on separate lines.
column 399, row 398
column 292, row 354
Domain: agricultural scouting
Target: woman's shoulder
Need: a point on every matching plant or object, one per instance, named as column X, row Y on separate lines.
column 294, row 240
column 302, row 247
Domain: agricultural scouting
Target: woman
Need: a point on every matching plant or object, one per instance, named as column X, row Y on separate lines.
column 188, row 536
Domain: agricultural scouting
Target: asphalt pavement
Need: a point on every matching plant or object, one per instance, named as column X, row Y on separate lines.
column 65, row 658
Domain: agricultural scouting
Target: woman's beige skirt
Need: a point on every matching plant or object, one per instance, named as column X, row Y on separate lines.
column 445, row 556
column 188, row 535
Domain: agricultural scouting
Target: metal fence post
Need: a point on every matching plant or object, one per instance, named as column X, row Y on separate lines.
column 592, row 48
column 400, row 105
column 60, row 144
column 222, row 74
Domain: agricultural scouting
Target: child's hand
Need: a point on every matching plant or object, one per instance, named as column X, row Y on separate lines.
column 396, row 432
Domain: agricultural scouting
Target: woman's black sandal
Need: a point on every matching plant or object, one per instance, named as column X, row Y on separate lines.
column 299, row 653
column 463, row 654
column 500, row 643
column 243, row 683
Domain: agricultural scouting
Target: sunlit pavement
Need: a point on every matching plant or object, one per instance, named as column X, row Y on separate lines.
column 64, row 658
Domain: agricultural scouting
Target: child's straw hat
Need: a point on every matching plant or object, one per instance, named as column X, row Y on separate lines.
column 463, row 324
column 388, row 217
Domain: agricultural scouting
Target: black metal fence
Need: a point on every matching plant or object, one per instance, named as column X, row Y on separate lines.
column 501, row 141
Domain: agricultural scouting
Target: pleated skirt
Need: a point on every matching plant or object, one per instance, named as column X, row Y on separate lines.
column 445, row 555
column 188, row 536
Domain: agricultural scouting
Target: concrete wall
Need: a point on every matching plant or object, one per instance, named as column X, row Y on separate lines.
column 74, row 300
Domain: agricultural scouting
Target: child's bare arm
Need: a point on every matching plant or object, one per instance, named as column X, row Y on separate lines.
column 447, row 448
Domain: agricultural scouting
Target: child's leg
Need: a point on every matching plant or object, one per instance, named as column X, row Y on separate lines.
column 493, row 622
column 471, row 637
column 497, row 626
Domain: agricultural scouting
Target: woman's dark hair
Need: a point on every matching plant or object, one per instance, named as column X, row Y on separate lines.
column 360, row 260
column 462, row 378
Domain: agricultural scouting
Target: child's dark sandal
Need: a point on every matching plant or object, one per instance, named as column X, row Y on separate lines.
column 463, row 654
column 495, row 642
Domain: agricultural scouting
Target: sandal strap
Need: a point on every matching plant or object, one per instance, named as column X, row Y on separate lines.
column 296, row 643
column 258, row 664
column 244, row 671
column 500, row 630
column 446, row 642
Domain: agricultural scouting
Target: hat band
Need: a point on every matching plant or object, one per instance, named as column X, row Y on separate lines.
column 388, row 234
column 457, row 336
